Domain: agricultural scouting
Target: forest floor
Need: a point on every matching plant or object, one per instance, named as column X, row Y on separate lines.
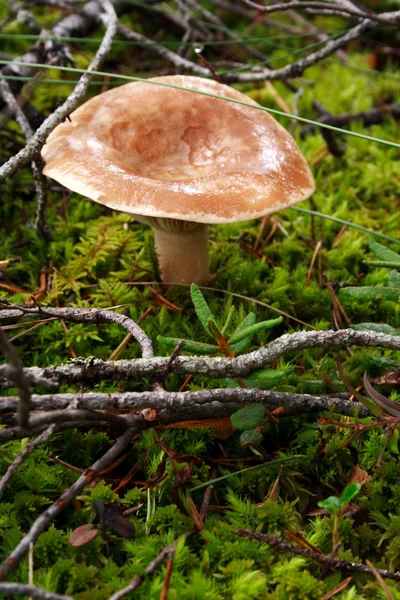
column 100, row 258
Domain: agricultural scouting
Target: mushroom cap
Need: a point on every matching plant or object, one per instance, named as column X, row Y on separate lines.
column 163, row 152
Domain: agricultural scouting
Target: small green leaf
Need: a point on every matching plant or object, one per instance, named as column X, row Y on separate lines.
column 377, row 327
column 242, row 346
column 382, row 252
column 393, row 443
column 394, row 279
column 349, row 492
column 190, row 345
column 371, row 293
column 202, row 309
column 251, row 438
column 331, row 504
column 229, row 319
column 266, row 379
column 250, row 331
column 248, row 417
column 381, row 362
column 387, row 264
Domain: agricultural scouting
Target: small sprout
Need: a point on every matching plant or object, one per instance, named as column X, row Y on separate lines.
column 335, row 505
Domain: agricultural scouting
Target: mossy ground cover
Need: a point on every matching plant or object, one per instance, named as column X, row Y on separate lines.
column 97, row 258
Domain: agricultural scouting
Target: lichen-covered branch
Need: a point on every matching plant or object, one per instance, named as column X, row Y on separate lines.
column 94, row 369
column 185, row 403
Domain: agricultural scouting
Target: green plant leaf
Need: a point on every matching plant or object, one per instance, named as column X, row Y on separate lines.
column 383, row 253
column 190, row 345
column 331, row 504
column 248, row 417
column 371, row 293
column 393, row 443
column 242, row 346
column 252, row 438
column 381, row 362
column 377, row 327
column 203, row 311
column 349, row 492
column 387, row 264
column 250, row 331
column 228, row 321
column 266, row 379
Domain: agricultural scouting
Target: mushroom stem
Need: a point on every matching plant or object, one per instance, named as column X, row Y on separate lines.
column 183, row 255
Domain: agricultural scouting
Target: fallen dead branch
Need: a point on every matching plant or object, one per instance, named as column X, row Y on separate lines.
column 324, row 559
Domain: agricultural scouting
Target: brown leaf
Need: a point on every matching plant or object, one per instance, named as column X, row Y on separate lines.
column 222, row 427
column 83, row 535
column 358, row 476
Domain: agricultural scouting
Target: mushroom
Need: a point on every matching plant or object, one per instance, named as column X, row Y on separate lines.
column 178, row 161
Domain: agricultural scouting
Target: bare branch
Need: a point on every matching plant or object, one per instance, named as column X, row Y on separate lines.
column 297, row 68
column 83, row 315
column 32, row 149
column 17, row 433
column 178, row 61
column 340, row 9
column 13, row 589
column 37, row 164
column 66, row 416
column 21, row 381
column 325, row 559
column 151, row 567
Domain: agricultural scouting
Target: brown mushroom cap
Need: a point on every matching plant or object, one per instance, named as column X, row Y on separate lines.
column 168, row 153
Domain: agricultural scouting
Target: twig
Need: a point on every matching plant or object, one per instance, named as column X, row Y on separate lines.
column 62, row 416
column 168, row 575
column 54, row 405
column 327, row 8
column 178, row 61
column 29, row 448
column 17, row 433
column 94, row 369
column 12, row 589
column 151, row 567
column 41, row 186
column 373, row 116
column 50, row 513
column 33, row 147
column 325, row 559
column 83, row 315
column 16, row 373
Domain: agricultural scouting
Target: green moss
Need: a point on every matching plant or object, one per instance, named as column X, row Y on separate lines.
column 100, row 258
